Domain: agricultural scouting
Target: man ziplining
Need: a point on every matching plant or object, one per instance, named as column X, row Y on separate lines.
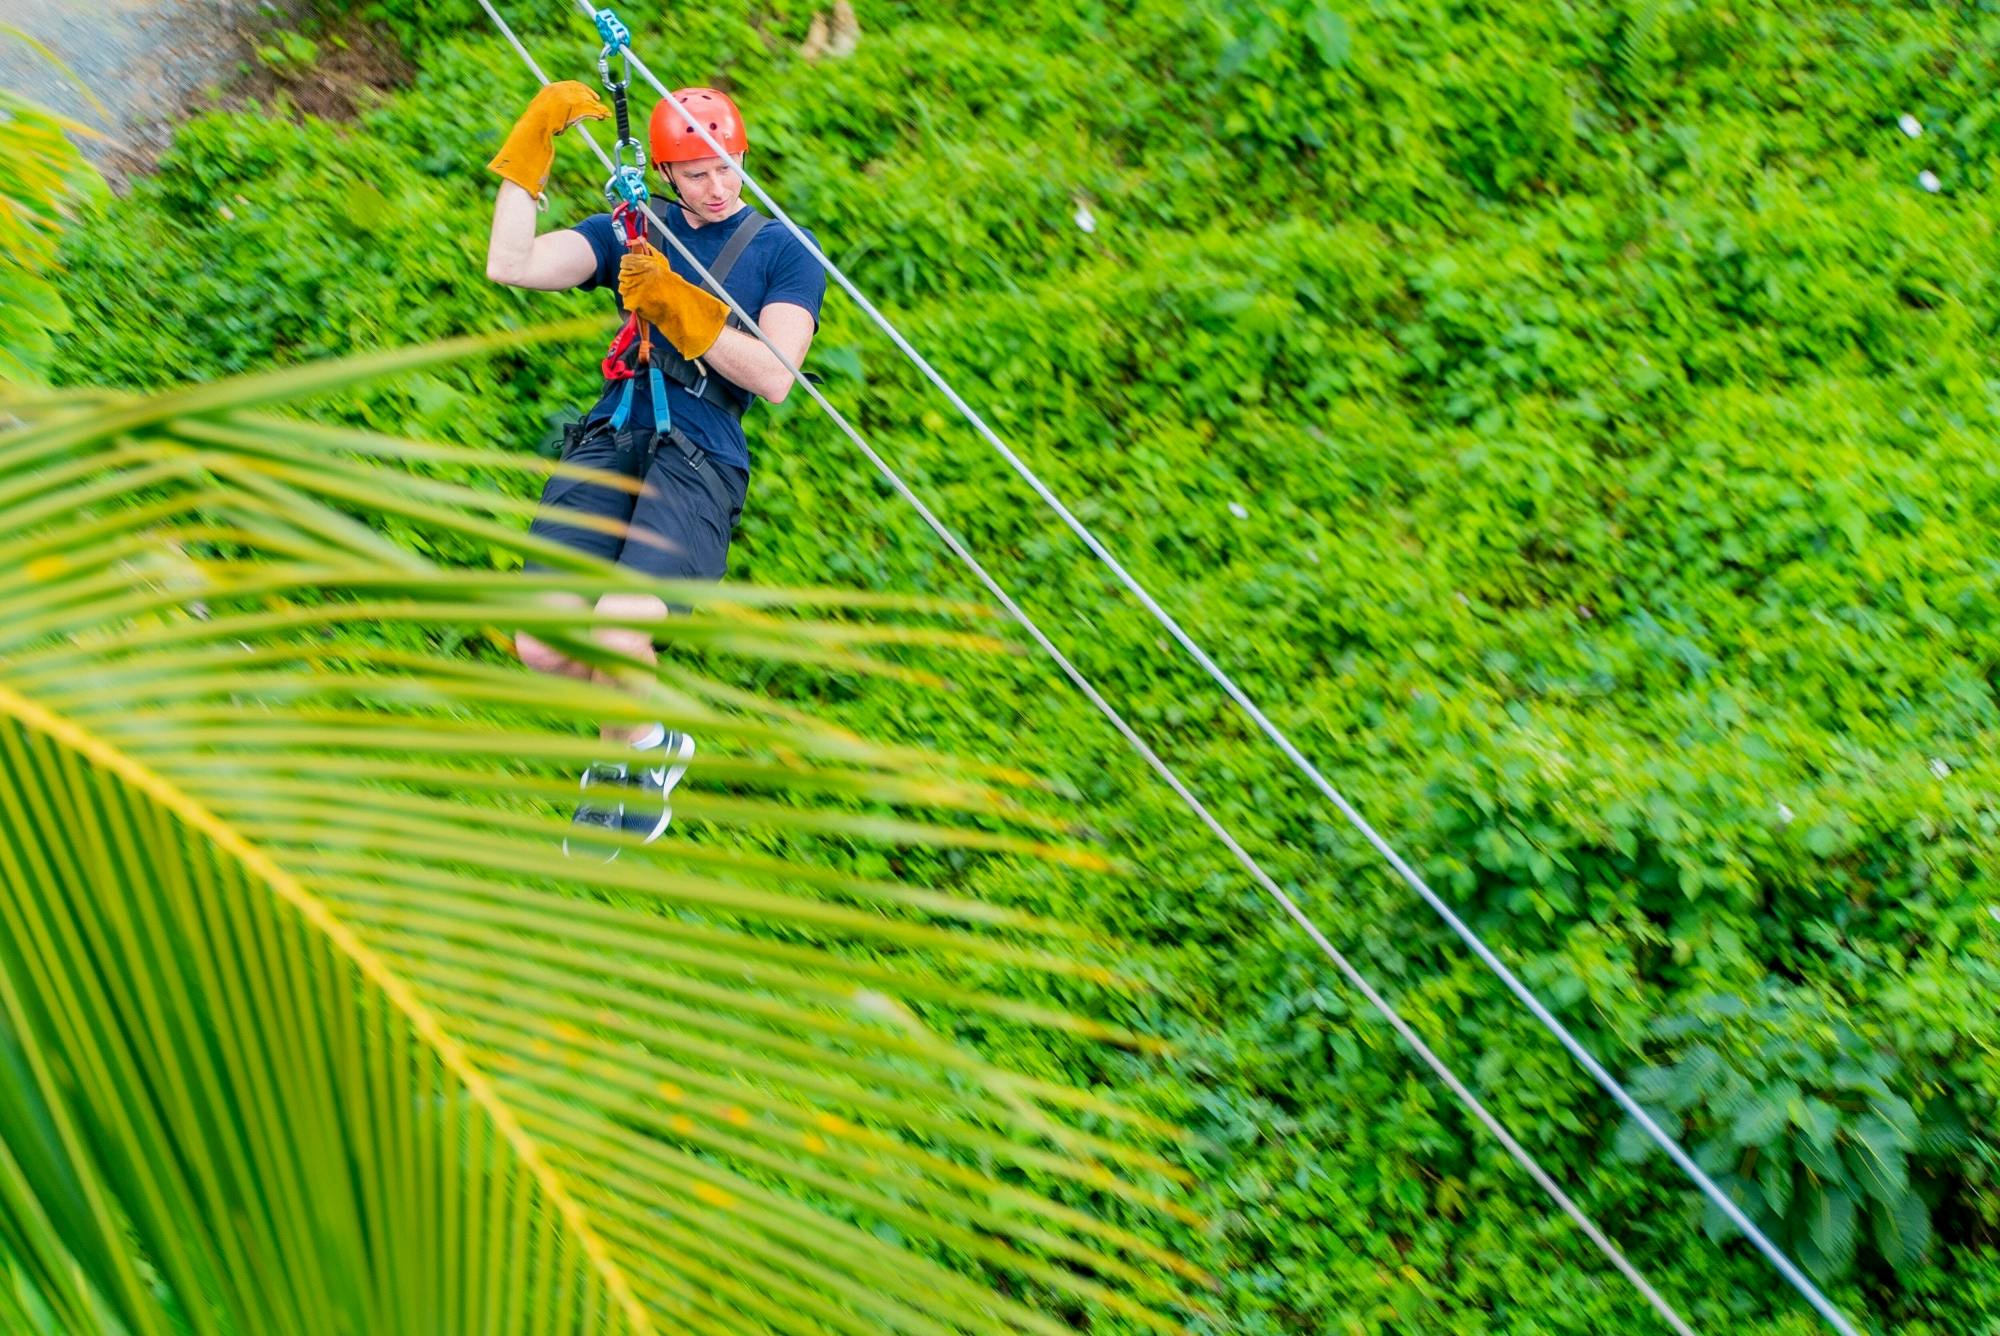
column 678, row 380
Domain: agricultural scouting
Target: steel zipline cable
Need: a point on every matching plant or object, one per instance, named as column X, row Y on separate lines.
column 1604, row 1079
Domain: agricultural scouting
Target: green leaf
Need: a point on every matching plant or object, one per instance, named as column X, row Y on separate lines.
column 1808, row 1255
column 1774, row 1176
column 1703, row 1067
column 1830, row 1218
column 1817, row 1119
column 1903, row 1230
column 1898, row 1113
column 1880, row 1162
column 1823, row 1161
column 1767, row 1115
column 1683, row 1084
column 1632, row 1144
column 1734, row 1096
column 1944, row 1130
column 1715, row 1222
column 1330, row 35
column 1654, row 1085
column 1715, row 1155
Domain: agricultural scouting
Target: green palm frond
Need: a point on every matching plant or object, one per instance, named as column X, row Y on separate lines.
column 44, row 183
column 306, row 1023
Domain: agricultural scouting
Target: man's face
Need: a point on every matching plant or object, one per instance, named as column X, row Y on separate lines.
column 709, row 187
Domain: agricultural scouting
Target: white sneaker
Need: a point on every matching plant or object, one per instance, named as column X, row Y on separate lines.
column 649, row 807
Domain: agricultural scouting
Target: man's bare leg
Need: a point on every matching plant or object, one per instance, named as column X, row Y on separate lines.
column 545, row 658
column 637, row 644
column 619, row 794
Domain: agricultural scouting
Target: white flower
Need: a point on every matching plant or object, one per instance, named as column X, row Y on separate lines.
column 1939, row 768
column 1236, row 508
column 1911, row 125
column 1785, row 815
column 1930, row 182
column 1085, row 219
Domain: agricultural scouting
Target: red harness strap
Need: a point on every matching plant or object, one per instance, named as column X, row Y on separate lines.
column 634, row 226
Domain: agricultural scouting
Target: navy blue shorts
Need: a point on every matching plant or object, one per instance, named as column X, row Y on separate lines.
column 680, row 524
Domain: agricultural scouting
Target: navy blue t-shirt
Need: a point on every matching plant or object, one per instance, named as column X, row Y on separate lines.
column 774, row 267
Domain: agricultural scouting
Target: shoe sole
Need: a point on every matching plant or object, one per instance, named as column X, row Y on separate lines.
column 584, row 785
column 571, row 853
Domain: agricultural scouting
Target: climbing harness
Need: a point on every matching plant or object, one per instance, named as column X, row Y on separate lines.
column 693, row 374
column 633, row 348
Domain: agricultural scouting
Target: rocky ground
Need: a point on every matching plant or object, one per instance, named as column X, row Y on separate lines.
column 151, row 62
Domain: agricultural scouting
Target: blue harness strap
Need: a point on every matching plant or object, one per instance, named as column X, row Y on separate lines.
column 663, row 413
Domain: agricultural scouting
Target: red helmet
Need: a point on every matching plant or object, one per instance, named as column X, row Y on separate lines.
column 674, row 140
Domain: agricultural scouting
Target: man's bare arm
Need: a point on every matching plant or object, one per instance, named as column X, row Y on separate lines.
column 740, row 358
column 517, row 257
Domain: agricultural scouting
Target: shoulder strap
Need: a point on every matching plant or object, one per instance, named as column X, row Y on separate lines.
column 732, row 251
column 739, row 241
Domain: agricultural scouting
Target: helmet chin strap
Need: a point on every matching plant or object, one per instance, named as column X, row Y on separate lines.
column 666, row 170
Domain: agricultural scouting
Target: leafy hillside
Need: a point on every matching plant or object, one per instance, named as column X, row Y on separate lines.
column 1574, row 422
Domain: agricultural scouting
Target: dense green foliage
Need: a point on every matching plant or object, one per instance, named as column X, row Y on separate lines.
column 47, row 182
column 1574, row 422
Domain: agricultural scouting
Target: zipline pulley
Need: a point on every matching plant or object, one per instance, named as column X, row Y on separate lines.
column 627, row 185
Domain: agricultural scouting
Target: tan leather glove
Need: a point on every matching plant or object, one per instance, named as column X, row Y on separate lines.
column 524, row 159
column 688, row 317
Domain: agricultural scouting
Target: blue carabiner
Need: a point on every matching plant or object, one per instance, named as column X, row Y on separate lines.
column 627, row 186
